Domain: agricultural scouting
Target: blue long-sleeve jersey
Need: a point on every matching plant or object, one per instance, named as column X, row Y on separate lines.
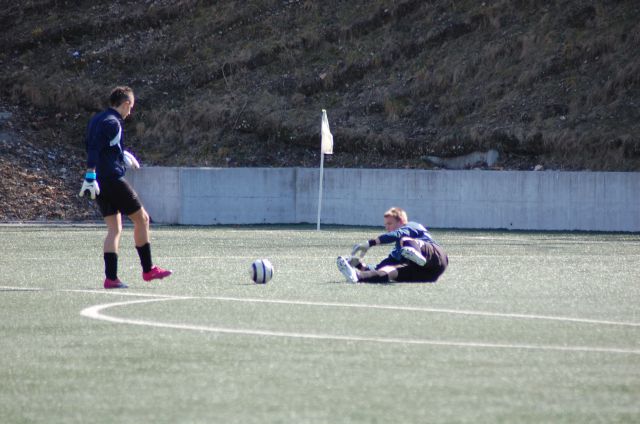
column 105, row 144
column 410, row 229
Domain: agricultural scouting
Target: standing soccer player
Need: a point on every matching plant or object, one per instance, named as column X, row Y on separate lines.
column 104, row 180
column 416, row 256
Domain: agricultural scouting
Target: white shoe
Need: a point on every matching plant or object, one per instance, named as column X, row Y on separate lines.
column 347, row 270
column 413, row 255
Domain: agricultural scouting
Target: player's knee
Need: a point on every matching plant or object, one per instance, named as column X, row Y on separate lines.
column 141, row 217
column 114, row 231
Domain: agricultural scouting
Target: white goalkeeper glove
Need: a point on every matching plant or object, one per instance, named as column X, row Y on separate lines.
column 360, row 249
column 130, row 161
column 90, row 184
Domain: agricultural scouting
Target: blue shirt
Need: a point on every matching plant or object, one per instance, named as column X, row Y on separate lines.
column 104, row 142
column 413, row 230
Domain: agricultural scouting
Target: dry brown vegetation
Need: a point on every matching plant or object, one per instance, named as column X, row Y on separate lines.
column 242, row 83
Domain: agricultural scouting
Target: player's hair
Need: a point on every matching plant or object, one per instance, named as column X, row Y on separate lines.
column 397, row 213
column 120, row 95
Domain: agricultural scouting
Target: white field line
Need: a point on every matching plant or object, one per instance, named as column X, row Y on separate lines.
column 345, row 305
column 95, row 312
column 422, row 309
column 99, row 291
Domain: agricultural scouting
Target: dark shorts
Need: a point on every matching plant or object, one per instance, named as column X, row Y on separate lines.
column 437, row 262
column 117, row 196
column 412, row 273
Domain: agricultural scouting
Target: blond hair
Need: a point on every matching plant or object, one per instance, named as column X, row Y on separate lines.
column 398, row 214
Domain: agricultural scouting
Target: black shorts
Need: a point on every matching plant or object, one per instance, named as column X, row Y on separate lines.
column 409, row 272
column 117, row 196
column 437, row 262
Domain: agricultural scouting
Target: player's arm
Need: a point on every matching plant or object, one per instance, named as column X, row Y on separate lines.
column 89, row 184
column 93, row 153
column 99, row 137
column 362, row 248
column 386, row 238
column 95, row 142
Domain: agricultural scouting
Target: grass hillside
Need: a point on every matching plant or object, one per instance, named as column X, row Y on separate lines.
column 243, row 83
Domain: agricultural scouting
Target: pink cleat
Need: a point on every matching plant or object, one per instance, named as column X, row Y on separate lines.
column 114, row 284
column 156, row 272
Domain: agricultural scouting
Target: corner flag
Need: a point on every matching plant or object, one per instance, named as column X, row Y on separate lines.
column 327, row 137
column 326, row 148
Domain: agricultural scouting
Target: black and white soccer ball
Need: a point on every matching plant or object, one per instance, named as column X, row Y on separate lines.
column 261, row 271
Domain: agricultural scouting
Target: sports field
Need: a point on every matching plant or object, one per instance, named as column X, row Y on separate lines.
column 522, row 328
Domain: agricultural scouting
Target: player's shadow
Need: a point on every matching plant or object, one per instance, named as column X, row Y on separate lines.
column 342, row 282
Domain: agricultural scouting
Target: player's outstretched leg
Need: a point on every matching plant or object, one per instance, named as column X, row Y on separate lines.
column 382, row 275
column 347, row 270
column 150, row 272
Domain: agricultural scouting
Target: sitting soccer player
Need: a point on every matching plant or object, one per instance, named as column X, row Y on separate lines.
column 416, row 256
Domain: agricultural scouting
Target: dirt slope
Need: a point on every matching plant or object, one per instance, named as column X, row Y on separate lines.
column 243, row 83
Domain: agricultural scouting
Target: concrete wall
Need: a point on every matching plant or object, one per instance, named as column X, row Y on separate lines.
column 594, row 201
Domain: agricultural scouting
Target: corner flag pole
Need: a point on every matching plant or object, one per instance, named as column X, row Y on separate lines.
column 326, row 148
column 320, row 189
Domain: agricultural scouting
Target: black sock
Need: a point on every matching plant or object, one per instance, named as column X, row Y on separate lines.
column 144, row 252
column 375, row 279
column 111, row 265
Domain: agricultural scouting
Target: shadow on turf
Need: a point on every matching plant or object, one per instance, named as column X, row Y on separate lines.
column 342, row 282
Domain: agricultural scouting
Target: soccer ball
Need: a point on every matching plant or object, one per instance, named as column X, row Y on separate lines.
column 261, row 271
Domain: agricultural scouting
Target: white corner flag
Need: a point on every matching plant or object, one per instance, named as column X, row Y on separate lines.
column 327, row 137
column 326, row 148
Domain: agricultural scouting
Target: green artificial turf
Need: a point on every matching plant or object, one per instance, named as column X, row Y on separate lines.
column 522, row 327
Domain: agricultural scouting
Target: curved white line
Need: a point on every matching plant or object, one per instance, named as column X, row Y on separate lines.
column 95, row 312
column 345, row 305
column 384, row 307
column 422, row 309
